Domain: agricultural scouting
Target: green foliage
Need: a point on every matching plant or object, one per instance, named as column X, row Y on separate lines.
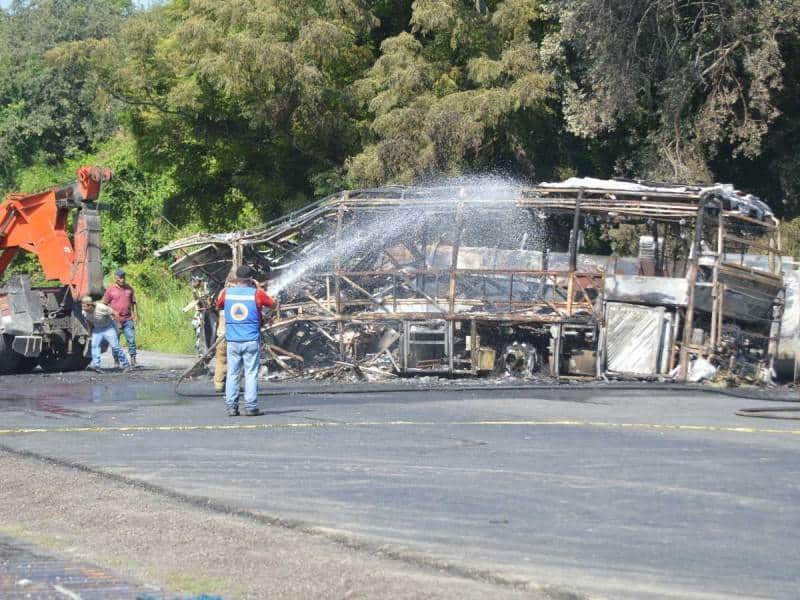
column 790, row 236
column 254, row 106
column 689, row 82
column 234, row 111
column 623, row 239
column 242, row 101
column 447, row 96
column 131, row 203
column 51, row 111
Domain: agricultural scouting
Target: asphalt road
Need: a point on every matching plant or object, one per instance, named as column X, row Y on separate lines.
column 600, row 492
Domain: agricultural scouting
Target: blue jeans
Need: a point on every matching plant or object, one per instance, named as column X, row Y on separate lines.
column 242, row 354
column 109, row 334
column 129, row 330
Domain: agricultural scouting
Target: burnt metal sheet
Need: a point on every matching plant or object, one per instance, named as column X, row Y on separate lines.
column 635, row 337
column 729, row 196
column 656, row 291
column 749, row 294
column 787, row 363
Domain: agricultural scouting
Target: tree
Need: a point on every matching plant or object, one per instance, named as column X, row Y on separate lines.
column 251, row 107
column 243, row 101
column 683, row 80
column 51, row 111
column 463, row 90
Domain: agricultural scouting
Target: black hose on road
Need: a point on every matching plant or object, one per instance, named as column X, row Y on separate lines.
column 388, row 388
column 768, row 412
column 199, row 361
column 762, row 413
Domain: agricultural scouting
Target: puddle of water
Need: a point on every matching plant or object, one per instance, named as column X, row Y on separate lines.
column 61, row 398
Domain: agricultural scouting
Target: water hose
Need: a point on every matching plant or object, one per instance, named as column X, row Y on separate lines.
column 389, row 388
column 761, row 413
column 768, row 412
column 200, row 361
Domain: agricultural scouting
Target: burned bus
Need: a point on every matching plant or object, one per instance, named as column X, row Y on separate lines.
column 581, row 278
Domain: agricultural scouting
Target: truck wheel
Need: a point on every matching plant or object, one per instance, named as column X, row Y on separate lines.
column 9, row 360
column 27, row 364
column 78, row 362
column 61, row 363
column 55, row 362
column 56, row 359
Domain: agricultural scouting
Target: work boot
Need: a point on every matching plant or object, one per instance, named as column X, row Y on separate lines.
column 219, row 389
column 133, row 361
column 233, row 412
column 116, row 363
column 253, row 412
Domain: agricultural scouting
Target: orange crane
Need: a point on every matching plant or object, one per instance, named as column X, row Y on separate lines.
column 44, row 325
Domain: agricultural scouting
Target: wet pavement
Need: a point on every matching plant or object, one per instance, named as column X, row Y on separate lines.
column 606, row 492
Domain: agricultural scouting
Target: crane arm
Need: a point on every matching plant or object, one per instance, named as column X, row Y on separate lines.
column 37, row 223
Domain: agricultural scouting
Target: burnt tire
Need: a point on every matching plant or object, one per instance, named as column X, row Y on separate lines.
column 79, row 362
column 9, row 360
column 27, row 364
column 57, row 360
column 52, row 362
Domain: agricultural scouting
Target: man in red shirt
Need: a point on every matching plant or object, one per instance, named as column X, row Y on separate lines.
column 121, row 297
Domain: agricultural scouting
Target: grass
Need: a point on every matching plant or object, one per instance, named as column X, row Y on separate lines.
column 31, row 537
column 162, row 326
column 790, row 233
column 198, row 585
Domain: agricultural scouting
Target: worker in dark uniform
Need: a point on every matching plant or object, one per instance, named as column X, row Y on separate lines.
column 242, row 303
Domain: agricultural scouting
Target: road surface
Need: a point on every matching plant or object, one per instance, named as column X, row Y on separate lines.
column 451, row 492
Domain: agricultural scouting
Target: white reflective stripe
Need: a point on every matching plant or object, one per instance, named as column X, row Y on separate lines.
column 240, row 297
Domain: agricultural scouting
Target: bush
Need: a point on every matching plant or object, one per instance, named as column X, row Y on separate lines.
column 790, row 234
